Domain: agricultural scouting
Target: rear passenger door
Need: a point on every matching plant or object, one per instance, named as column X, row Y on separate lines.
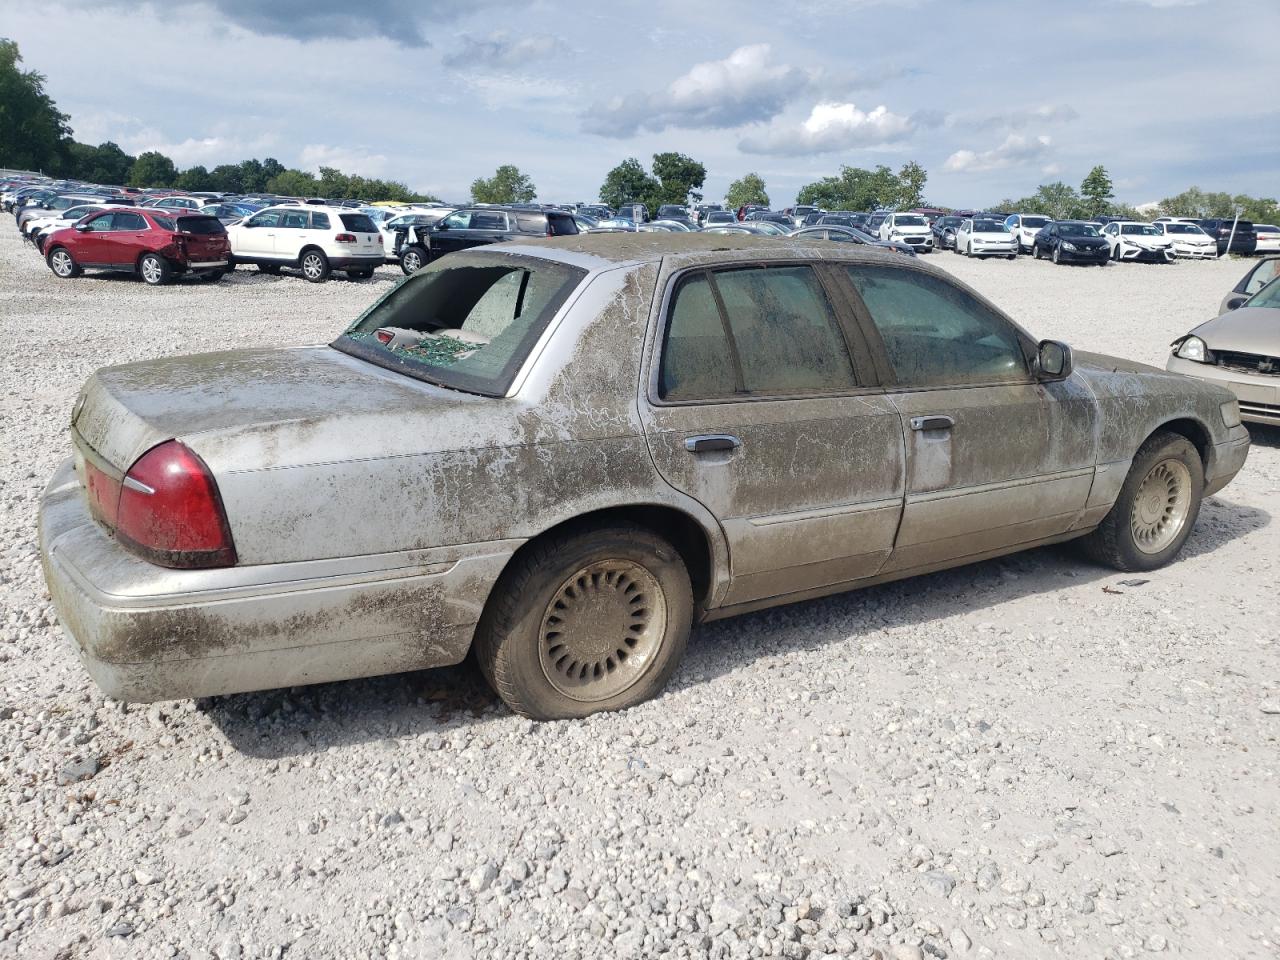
column 487, row 226
column 762, row 405
column 994, row 457
column 124, row 243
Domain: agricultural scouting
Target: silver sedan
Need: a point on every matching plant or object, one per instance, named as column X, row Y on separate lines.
column 561, row 454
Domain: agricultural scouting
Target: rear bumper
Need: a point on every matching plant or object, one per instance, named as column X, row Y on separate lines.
column 355, row 263
column 147, row 633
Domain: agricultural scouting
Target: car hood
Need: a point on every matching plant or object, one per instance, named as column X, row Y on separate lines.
column 1246, row 330
column 1144, row 241
column 269, row 408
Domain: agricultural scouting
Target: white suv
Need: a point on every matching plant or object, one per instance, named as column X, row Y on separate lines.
column 317, row 240
column 911, row 228
column 1024, row 227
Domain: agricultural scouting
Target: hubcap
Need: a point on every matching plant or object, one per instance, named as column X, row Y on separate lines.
column 311, row 266
column 150, row 270
column 1161, row 506
column 61, row 263
column 601, row 630
column 412, row 262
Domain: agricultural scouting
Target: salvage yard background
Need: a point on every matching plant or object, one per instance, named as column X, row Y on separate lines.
column 1026, row 757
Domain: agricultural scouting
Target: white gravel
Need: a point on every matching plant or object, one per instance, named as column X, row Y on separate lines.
column 1021, row 758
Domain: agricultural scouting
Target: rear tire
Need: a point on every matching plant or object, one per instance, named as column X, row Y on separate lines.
column 315, row 266
column 1156, row 509
column 154, row 270
column 63, row 264
column 586, row 621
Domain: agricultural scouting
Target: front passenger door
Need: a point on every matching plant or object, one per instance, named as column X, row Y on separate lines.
column 995, row 458
column 451, row 235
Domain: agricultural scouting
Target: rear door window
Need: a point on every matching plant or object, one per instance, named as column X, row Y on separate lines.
column 488, row 220
column 294, row 220
column 697, row 362
column 128, row 221
column 936, row 334
column 320, row 221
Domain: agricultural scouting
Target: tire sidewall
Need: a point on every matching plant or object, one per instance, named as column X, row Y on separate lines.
column 163, row 274
column 1167, row 447
column 324, row 272
column 523, row 669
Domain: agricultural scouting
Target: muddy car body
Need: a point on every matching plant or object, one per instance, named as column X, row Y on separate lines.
column 687, row 427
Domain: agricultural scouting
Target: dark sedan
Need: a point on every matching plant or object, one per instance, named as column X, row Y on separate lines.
column 849, row 235
column 1240, row 235
column 1072, row 241
column 944, row 232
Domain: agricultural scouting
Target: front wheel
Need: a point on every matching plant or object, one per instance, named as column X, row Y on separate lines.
column 412, row 259
column 63, row 264
column 315, row 266
column 1057, row 254
column 586, row 622
column 1156, row 509
column 1035, row 251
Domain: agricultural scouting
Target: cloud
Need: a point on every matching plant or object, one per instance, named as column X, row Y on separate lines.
column 500, row 50
column 1019, row 119
column 1016, row 151
column 1164, row 4
column 745, row 87
column 831, row 126
column 347, row 159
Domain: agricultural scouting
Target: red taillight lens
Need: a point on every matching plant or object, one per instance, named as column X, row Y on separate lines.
column 346, row 238
column 384, row 336
column 170, row 511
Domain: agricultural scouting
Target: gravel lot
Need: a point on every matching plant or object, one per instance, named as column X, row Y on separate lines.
column 1021, row 758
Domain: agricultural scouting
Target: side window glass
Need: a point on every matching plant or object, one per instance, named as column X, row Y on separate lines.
column 488, row 221
column 696, row 361
column 320, row 221
column 1262, row 275
column 101, row 224
column 269, row 219
column 785, row 331
column 458, row 221
column 936, row 334
column 129, row 221
column 294, row 221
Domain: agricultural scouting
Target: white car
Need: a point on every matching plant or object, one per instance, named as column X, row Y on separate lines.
column 316, row 240
column 1188, row 240
column 1131, row 240
column 40, row 227
column 911, row 228
column 1024, row 227
column 177, row 203
column 1268, row 237
column 986, row 237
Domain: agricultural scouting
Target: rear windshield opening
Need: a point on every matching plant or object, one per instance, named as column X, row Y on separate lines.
column 358, row 222
column 201, row 225
column 467, row 325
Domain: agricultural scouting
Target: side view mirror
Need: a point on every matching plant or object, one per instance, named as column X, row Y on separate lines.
column 442, row 225
column 1234, row 302
column 82, row 228
column 1053, row 361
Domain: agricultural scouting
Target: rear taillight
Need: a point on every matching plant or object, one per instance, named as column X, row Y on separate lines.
column 346, row 238
column 104, row 494
column 170, row 512
column 384, row 336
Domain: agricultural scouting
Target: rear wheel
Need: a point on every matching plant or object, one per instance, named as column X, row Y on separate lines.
column 585, row 622
column 315, row 266
column 1156, row 509
column 412, row 259
column 63, row 264
column 154, row 270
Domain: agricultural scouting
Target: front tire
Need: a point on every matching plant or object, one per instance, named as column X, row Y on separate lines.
column 1156, row 509
column 412, row 260
column 315, row 266
column 62, row 264
column 1057, row 255
column 585, row 622
column 1035, row 251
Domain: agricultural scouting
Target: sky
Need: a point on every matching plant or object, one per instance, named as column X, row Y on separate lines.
column 992, row 97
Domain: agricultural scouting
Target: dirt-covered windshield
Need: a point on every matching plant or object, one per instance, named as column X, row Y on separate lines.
column 467, row 321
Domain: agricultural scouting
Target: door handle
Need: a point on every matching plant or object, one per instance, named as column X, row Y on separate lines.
column 711, row 443
column 937, row 422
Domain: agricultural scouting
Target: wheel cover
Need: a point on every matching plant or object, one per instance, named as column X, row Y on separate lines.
column 1161, row 506
column 602, row 629
column 61, row 263
column 412, row 261
column 151, row 270
column 311, row 265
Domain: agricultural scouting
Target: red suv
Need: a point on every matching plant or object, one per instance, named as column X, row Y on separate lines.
column 154, row 244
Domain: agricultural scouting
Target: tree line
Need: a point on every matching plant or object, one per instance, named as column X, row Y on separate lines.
column 35, row 135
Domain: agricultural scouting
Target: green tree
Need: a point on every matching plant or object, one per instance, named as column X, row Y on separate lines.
column 194, row 179
column 1258, row 209
column 855, row 188
column 292, row 183
column 748, row 188
column 227, row 178
column 680, row 178
column 152, row 169
column 33, row 133
column 106, row 163
column 1097, row 192
column 507, row 185
column 911, row 180
column 1057, row 200
column 628, row 182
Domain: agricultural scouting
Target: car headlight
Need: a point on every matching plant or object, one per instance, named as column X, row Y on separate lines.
column 1068, row 246
column 1231, row 413
column 1192, row 348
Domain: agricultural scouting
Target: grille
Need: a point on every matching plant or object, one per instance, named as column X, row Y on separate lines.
column 1248, row 362
column 1267, row 411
